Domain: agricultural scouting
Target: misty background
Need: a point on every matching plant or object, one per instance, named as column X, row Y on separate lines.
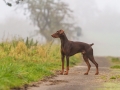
column 99, row 21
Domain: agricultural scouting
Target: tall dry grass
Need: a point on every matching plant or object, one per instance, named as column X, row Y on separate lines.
column 23, row 62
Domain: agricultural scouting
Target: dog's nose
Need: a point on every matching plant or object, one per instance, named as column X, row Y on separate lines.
column 52, row 35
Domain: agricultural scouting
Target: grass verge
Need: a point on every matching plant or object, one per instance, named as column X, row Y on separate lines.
column 113, row 78
column 110, row 86
column 115, row 63
column 22, row 63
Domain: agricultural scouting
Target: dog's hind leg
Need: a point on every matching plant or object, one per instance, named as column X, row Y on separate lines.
column 88, row 64
column 94, row 62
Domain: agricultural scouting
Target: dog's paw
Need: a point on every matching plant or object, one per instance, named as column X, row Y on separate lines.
column 96, row 73
column 66, row 73
column 61, row 73
column 85, row 73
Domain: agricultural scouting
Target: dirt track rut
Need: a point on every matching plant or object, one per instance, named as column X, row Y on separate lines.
column 76, row 80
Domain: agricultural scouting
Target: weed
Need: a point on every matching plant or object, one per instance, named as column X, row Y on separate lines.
column 110, row 86
column 115, row 60
column 116, row 67
column 113, row 77
column 115, row 63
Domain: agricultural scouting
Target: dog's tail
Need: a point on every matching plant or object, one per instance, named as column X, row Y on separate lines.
column 91, row 44
column 83, row 52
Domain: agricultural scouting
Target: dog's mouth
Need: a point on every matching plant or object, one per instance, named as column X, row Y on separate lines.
column 54, row 36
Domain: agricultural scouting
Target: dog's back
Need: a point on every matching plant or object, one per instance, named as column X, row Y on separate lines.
column 77, row 47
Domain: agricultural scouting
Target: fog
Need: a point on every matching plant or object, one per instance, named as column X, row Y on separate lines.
column 99, row 20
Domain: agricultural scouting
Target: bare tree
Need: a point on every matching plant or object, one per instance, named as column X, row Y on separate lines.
column 9, row 4
column 49, row 16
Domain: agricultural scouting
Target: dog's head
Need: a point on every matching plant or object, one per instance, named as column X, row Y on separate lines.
column 58, row 34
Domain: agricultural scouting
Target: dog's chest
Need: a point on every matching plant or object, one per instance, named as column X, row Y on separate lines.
column 65, row 50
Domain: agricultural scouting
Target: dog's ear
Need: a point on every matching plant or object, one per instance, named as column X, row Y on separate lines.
column 61, row 31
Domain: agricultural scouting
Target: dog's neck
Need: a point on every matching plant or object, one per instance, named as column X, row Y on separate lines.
column 63, row 39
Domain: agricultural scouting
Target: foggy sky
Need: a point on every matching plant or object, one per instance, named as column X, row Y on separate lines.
column 99, row 20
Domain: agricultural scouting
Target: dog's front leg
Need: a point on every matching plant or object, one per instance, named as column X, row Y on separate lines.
column 63, row 56
column 67, row 64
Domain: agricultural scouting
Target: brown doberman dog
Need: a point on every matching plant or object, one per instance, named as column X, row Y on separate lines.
column 69, row 48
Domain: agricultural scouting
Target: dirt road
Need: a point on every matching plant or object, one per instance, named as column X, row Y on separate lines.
column 76, row 80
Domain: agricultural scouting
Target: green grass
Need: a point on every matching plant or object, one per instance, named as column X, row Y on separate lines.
column 112, row 80
column 115, row 63
column 115, row 77
column 110, row 86
column 115, row 60
column 21, row 64
column 115, row 67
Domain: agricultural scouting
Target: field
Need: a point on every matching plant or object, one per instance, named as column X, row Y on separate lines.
column 23, row 62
